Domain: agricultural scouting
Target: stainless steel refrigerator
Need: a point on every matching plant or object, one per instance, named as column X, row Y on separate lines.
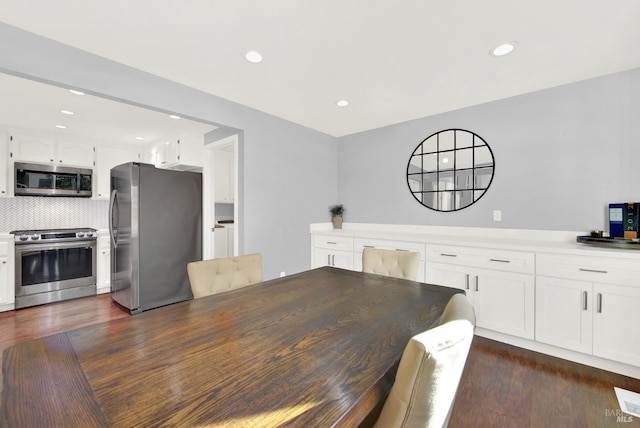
column 155, row 223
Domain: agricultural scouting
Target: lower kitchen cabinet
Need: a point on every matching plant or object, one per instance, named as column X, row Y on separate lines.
column 578, row 309
column 503, row 301
column 564, row 313
column 332, row 251
column 7, row 287
column 593, row 318
column 103, row 264
column 616, row 323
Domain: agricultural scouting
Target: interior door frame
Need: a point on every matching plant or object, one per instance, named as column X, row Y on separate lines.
column 209, row 195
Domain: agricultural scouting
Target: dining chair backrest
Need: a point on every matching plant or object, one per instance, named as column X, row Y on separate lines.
column 398, row 264
column 430, row 370
column 219, row 275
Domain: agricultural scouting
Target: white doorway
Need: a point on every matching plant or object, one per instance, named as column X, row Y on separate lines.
column 221, row 200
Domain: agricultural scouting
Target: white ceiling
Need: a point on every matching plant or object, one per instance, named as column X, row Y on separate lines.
column 393, row 60
column 36, row 106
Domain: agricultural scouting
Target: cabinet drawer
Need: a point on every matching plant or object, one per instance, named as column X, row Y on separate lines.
column 587, row 268
column 361, row 243
column 333, row 242
column 502, row 260
column 4, row 249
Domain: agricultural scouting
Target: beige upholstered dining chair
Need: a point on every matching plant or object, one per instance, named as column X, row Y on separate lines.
column 429, row 372
column 398, row 264
column 219, row 275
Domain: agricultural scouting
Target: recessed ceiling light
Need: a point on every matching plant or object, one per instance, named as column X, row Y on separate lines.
column 140, row 138
column 253, row 56
column 503, row 49
column 61, row 127
column 76, row 92
column 68, row 112
column 342, row 103
column 174, row 116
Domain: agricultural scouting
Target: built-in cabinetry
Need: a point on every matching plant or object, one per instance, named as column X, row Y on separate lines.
column 106, row 158
column 534, row 289
column 359, row 244
column 499, row 284
column 332, row 250
column 4, row 175
column 224, row 241
column 224, row 177
column 103, row 263
column 7, row 290
column 589, row 304
column 45, row 150
column 182, row 153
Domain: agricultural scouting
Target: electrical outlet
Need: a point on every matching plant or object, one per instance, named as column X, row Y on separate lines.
column 283, row 273
column 497, row 215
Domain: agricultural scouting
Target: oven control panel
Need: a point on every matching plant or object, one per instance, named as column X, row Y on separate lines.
column 55, row 235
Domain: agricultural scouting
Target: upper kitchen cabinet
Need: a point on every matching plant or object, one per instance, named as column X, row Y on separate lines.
column 184, row 153
column 46, row 150
column 106, row 158
column 224, row 177
column 4, row 174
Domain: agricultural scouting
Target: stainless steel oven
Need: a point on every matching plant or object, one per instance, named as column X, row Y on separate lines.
column 53, row 265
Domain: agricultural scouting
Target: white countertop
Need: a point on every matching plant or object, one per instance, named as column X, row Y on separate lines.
column 561, row 242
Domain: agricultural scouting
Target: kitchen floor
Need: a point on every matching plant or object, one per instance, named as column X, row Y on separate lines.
column 502, row 385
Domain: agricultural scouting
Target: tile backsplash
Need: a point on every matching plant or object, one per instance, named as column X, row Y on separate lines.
column 35, row 212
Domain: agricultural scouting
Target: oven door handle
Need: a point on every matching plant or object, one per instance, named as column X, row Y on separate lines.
column 114, row 211
column 39, row 247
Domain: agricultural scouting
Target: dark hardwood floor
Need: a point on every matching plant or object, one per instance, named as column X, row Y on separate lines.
column 502, row 386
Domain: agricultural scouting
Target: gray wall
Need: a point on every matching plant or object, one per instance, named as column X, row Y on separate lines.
column 287, row 174
column 562, row 155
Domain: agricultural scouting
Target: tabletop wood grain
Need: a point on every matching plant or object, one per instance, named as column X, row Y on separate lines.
column 319, row 348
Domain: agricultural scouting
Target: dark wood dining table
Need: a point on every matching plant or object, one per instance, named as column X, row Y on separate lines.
column 315, row 349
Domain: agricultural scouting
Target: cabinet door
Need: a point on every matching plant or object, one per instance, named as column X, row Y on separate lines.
column 167, row 153
column 221, row 245
column 33, row 149
column 449, row 276
column 564, row 310
column 6, row 286
column 75, row 154
column 504, row 302
column 4, row 174
column 103, row 274
column 326, row 257
column 616, row 323
column 107, row 158
column 223, row 182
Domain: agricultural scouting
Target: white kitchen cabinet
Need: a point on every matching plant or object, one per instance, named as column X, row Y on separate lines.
column 361, row 243
column 224, row 177
column 4, row 165
column 106, row 158
column 45, row 150
column 332, row 251
column 75, row 154
column 7, row 287
column 616, row 323
column 499, row 284
column 185, row 153
column 103, row 263
column 25, row 148
column 590, row 305
column 167, row 153
column 564, row 313
column 224, row 237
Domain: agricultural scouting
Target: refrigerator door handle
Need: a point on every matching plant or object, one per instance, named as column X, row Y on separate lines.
column 114, row 212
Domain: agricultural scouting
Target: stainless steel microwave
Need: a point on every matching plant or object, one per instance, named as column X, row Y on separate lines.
column 33, row 179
